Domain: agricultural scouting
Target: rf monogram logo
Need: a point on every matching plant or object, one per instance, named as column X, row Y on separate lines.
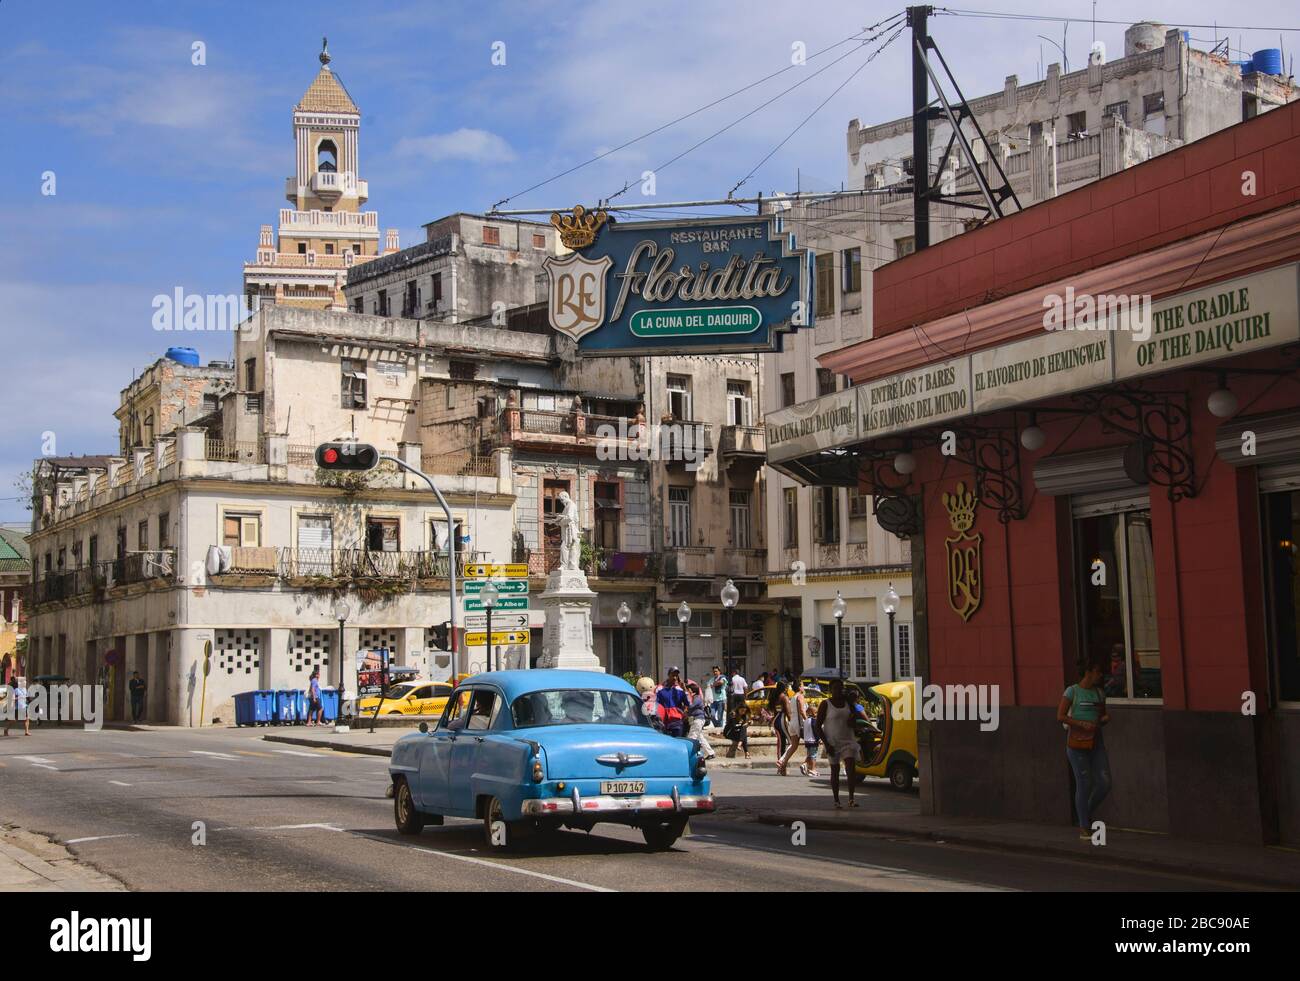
column 577, row 293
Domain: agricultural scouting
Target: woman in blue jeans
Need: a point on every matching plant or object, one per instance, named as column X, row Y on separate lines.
column 1083, row 712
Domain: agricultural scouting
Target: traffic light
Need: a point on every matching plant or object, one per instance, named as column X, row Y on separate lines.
column 442, row 635
column 347, row 456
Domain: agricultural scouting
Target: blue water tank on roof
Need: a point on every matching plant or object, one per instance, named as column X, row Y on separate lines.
column 183, row 355
column 1268, row 61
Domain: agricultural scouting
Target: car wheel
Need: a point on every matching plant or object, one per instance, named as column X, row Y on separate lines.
column 497, row 832
column 409, row 821
column 662, row 835
column 900, row 776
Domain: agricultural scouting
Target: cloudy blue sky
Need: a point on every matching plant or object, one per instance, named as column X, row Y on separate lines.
column 165, row 169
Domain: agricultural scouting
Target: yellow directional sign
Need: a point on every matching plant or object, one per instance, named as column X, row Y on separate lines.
column 486, row 570
column 499, row 637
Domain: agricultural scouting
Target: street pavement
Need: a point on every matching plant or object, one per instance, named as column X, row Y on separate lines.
column 224, row 809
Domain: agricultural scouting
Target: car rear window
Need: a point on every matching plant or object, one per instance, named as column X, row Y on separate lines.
column 574, row 706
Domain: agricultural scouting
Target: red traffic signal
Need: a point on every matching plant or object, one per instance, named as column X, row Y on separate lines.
column 347, row 456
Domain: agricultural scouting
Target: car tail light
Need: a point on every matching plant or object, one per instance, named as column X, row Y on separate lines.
column 538, row 775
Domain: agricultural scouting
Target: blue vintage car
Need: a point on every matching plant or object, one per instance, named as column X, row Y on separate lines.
column 533, row 751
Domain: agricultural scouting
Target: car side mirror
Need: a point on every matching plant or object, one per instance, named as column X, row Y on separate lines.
column 424, row 727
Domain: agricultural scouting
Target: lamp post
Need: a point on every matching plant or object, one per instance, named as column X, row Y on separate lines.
column 342, row 611
column 838, row 609
column 890, row 603
column 684, row 617
column 489, row 595
column 730, row 597
column 624, row 615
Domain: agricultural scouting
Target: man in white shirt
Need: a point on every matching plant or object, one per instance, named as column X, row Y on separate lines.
column 738, row 686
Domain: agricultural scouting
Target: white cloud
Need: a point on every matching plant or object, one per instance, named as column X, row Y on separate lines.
column 475, row 145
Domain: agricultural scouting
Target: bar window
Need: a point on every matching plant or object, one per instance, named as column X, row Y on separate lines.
column 1115, row 576
column 1282, row 588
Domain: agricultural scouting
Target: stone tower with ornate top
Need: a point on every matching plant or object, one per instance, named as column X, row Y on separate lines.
column 305, row 259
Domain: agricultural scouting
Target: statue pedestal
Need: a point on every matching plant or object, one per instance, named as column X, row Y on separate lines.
column 566, row 638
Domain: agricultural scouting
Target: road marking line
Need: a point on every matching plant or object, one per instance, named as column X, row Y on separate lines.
column 119, row 783
column 296, row 827
column 249, row 752
column 491, row 865
column 223, row 756
column 77, row 841
column 44, row 767
column 294, row 752
column 35, row 759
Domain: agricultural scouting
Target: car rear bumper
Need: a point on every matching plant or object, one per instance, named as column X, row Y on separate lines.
column 556, row 806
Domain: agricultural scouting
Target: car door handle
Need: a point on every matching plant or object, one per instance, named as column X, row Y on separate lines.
column 478, row 739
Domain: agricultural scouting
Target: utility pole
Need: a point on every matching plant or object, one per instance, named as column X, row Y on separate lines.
column 916, row 19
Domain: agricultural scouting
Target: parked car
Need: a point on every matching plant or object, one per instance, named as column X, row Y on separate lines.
column 529, row 752
column 409, row 698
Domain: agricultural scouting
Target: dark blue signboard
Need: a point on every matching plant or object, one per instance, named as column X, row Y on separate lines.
column 702, row 286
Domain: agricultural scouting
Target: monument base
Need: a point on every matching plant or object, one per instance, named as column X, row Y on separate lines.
column 566, row 638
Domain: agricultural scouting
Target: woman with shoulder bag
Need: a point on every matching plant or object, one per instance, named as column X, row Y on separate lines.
column 1083, row 713
column 737, row 730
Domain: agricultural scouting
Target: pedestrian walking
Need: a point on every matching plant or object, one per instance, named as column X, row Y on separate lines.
column 315, row 711
column 775, row 712
column 18, row 692
column 706, row 693
column 738, row 730
column 738, row 688
column 793, row 710
column 672, row 697
column 698, row 715
column 138, row 689
column 811, row 738
column 719, row 685
column 1083, row 713
column 649, row 704
column 835, row 718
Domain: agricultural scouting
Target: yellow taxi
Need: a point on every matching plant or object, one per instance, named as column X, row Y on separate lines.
column 409, row 698
column 888, row 742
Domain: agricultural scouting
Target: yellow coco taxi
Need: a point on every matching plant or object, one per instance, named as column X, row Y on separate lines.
column 410, row 698
column 888, row 737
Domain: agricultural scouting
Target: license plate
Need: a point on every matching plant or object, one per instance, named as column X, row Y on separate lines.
column 622, row 786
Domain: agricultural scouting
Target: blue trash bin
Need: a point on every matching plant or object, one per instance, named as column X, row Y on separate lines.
column 263, row 707
column 286, row 706
column 329, row 700
column 245, row 708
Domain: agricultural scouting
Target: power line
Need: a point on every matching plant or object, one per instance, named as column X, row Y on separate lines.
column 996, row 15
column 693, row 112
column 822, row 105
column 691, row 149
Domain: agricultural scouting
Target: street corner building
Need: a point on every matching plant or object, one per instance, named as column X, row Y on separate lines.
column 1086, row 419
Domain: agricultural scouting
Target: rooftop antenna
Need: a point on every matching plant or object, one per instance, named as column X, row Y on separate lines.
column 1094, row 21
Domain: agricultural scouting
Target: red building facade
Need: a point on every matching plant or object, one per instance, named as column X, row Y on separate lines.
column 1134, row 484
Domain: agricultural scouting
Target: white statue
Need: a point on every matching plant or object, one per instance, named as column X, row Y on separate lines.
column 570, row 532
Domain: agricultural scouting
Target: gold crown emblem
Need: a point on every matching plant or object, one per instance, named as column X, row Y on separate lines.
column 578, row 230
column 961, row 507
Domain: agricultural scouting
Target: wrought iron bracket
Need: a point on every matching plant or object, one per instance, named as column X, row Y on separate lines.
column 994, row 456
column 1160, row 422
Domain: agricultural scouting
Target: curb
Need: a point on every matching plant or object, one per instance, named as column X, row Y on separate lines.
column 957, row 835
column 340, row 747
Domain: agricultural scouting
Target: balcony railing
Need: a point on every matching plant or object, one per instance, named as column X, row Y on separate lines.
column 745, row 562
column 463, row 464
column 221, row 451
column 743, row 441
column 614, row 565
column 358, row 563
column 690, row 563
column 686, row 440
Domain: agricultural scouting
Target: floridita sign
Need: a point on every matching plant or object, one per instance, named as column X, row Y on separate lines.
column 711, row 285
column 1241, row 316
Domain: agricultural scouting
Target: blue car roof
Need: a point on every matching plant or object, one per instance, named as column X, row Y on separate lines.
column 516, row 683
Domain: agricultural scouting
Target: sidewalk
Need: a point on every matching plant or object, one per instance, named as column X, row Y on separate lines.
column 885, row 811
column 32, row 863
column 1246, row 866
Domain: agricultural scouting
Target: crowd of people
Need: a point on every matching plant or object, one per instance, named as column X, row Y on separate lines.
column 686, row 708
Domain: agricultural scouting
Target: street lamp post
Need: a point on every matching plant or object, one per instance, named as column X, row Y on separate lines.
column 890, row 603
column 624, row 615
column 489, row 596
column 342, row 611
column 684, row 617
column 838, row 609
column 730, row 597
